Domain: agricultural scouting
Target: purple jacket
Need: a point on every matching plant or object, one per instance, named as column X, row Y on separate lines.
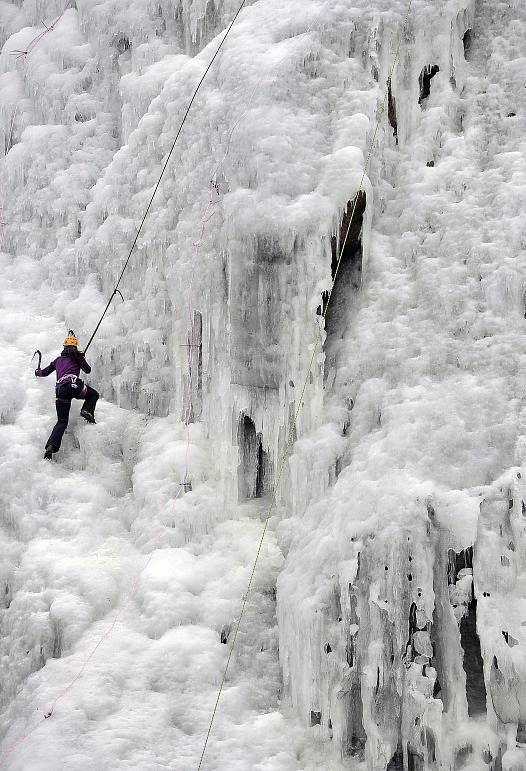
column 63, row 365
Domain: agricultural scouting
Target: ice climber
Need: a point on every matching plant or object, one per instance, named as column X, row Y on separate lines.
column 69, row 386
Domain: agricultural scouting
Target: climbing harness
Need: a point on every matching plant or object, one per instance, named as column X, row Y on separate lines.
column 290, row 439
column 183, row 121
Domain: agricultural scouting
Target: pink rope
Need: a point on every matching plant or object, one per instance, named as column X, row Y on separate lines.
column 118, row 613
column 36, row 40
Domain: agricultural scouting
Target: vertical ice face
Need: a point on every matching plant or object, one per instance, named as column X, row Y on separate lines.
column 413, row 665
column 399, row 603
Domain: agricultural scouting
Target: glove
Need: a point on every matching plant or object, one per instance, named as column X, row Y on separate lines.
column 38, row 372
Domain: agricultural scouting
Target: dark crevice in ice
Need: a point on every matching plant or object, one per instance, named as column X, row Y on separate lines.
column 409, row 650
column 424, row 80
column 487, row 756
column 467, row 41
column 415, row 762
column 350, row 238
column 261, row 469
column 346, row 271
column 315, row 718
column 57, row 643
column 194, row 398
column 336, row 604
column 397, row 762
column 457, row 562
column 391, row 111
column 472, row 661
column 354, row 737
column 254, row 470
column 440, row 688
column 350, row 652
column 469, row 640
column 121, row 43
column 511, row 641
column 428, row 740
column 320, row 310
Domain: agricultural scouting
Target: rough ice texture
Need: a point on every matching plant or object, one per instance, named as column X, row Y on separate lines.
column 396, row 553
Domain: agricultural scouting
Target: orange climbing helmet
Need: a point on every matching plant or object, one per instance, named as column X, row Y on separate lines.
column 71, row 340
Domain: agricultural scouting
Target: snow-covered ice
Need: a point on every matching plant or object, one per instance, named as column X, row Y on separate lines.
column 385, row 628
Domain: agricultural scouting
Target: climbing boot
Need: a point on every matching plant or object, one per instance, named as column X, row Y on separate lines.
column 87, row 416
column 48, row 455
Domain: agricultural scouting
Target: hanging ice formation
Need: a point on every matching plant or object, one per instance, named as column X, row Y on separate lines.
column 393, row 573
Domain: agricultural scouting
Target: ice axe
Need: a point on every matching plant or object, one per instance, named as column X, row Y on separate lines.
column 39, row 357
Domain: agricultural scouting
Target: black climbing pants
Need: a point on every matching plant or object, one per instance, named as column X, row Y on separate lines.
column 65, row 393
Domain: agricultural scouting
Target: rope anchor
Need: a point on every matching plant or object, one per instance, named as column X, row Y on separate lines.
column 115, row 291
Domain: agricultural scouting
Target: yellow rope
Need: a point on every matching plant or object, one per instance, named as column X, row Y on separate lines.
column 290, row 438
